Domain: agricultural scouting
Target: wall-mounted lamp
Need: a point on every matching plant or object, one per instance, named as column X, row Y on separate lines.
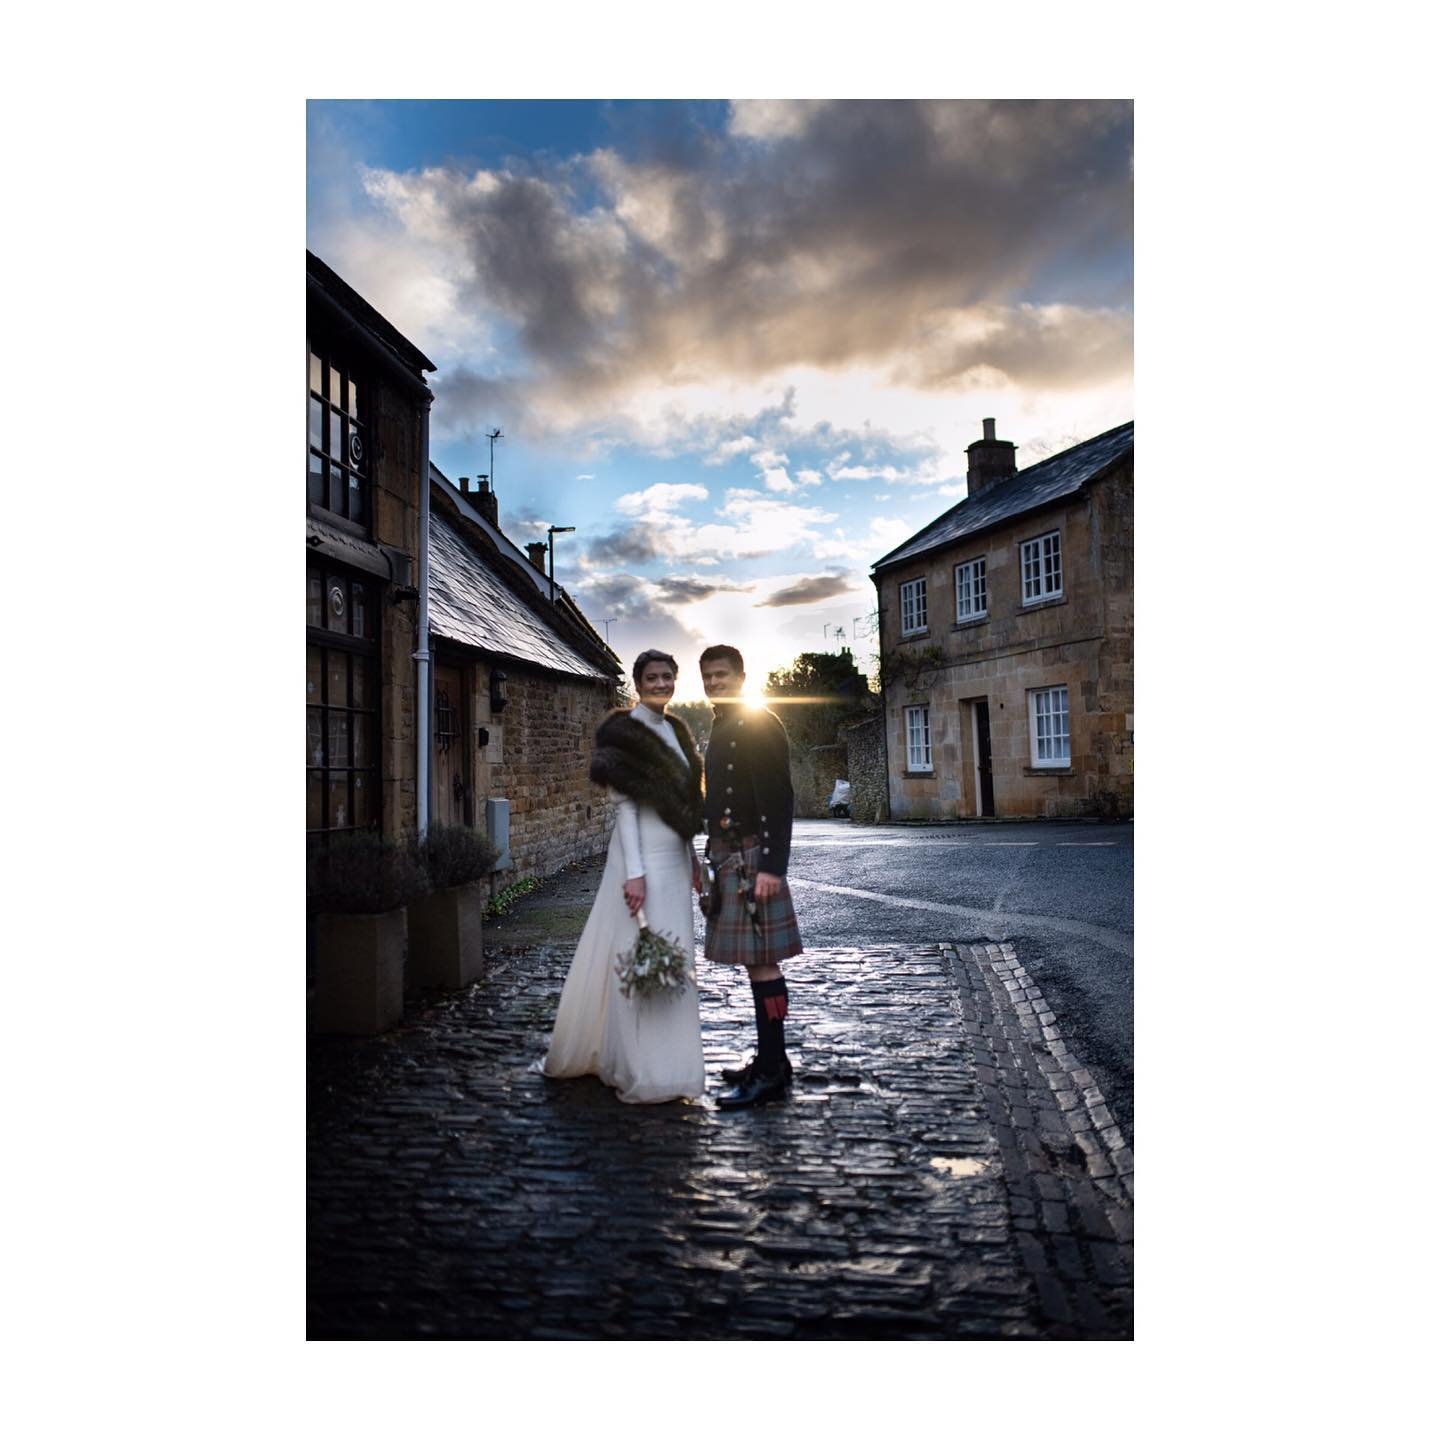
column 482, row 738
column 497, row 691
column 552, row 532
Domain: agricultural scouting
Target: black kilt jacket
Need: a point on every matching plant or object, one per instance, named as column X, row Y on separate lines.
column 747, row 783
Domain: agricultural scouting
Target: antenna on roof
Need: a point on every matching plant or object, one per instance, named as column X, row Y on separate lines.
column 493, row 436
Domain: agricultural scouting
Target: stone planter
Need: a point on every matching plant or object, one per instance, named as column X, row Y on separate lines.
column 447, row 937
column 359, row 972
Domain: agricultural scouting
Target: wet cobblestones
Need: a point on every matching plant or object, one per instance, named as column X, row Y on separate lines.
column 942, row 1170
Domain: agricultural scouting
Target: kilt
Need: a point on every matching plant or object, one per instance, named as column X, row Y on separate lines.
column 730, row 938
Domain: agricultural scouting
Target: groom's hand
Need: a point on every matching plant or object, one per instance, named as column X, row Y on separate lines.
column 767, row 886
column 635, row 894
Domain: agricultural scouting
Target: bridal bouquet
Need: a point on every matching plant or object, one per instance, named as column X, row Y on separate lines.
column 654, row 965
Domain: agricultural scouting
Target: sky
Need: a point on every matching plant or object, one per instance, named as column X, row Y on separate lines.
column 740, row 346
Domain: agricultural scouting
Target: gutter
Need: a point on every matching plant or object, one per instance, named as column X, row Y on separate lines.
column 422, row 626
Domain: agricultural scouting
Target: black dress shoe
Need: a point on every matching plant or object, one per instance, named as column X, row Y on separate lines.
column 757, row 1090
column 740, row 1076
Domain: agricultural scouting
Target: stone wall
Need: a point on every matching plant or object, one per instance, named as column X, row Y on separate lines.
column 813, row 772
column 538, row 758
column 865, row 743
column 395, row 498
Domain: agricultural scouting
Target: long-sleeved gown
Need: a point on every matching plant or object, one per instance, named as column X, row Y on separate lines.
column 648, row 1049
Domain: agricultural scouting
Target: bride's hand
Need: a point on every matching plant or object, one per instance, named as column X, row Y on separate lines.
column 635, row 894
column 697, row 878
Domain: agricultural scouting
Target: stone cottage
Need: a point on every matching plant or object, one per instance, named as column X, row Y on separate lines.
column 1007, row 640
column 521, row 680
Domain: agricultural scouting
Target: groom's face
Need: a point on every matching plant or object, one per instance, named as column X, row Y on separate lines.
column 721, row 680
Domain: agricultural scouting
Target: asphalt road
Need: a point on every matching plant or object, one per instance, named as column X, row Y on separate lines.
column 1061, row 892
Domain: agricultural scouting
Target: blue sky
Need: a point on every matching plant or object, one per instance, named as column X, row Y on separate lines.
column 741, row 346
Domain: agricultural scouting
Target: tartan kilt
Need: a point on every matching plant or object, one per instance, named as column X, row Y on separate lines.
column 730, row 938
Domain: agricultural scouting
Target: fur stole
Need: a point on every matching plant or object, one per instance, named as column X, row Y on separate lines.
column 642, row 767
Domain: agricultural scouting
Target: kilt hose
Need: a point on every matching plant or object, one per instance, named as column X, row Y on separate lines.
column 730, row 938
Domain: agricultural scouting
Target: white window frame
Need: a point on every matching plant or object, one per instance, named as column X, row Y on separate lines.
column 1044, row 713
column 921, row 758
column 978, row 585
column 913, row 597
column 1041, row 574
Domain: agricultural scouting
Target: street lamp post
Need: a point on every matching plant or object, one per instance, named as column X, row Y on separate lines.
column 551, row 533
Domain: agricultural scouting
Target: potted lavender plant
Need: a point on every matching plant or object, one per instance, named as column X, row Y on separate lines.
column 447, row 923
column 358, row 887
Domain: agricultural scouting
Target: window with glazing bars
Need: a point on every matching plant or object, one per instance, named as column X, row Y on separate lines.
column 342, row 703
column 970, row 597
column 340, row 448
column 1050, row 726
column 1040, row 568
column 913, row 608
column 917, row 738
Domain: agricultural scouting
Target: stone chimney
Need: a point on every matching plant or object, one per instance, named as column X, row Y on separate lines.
column 486, row 503
column 990, row 460
column 536, row 551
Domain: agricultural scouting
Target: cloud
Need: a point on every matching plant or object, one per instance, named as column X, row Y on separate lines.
column 806, row 592
column 684, row 590
column 659, row 499
column 940, row 243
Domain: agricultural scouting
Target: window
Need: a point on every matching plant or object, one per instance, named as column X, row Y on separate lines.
column 1040, row 568
column 917, row 738
column 342, row 702
column 340, row 447
column 970, row 599
column 1049, row 727
column 912, row 606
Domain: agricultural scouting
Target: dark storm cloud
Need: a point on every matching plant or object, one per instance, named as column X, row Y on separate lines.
column 640, row 621
column 467, row 403
column 683, row 590
column 631, row 545
column 802, row 592
column 907, row 234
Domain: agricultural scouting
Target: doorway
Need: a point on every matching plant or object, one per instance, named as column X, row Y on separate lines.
column 448, row 725
column 984, row 782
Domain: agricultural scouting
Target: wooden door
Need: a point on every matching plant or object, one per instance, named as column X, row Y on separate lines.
column 447, row 726
column 982, row 757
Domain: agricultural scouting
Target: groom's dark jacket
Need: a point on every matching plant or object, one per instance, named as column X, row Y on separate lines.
column 747, row 782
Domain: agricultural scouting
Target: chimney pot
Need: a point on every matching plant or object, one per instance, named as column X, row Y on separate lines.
column 989, row 428
column 464, row 484
column 536, row 551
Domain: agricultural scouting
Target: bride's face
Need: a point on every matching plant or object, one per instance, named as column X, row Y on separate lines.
column 657, row 685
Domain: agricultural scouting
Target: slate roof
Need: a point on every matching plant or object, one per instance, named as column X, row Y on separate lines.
column 473, row 606
column 1041, row 484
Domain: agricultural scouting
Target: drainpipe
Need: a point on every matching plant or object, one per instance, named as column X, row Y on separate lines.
column 422, row 624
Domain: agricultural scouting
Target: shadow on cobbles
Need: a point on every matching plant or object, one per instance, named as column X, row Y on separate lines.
column 455, row 1193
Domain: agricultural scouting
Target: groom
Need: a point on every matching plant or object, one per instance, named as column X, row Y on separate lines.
column 749, row 811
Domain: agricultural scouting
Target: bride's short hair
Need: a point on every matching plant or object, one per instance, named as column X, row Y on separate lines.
column 649, row 657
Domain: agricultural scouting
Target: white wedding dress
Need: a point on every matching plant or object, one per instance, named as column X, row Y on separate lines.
column 648, row 1049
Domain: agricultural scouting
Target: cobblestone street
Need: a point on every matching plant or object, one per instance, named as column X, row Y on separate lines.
column 944, row 1169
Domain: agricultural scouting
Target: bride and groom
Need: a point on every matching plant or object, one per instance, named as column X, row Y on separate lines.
column 649, row 1050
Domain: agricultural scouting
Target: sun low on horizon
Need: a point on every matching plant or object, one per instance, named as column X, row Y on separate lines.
column 736, row 369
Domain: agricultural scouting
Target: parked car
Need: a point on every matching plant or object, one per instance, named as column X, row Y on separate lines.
column 839, row 801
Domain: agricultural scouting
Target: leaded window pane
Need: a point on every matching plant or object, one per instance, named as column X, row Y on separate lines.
column 335, row 389
column 360, row 684
column 339, row 800
column 352, row 398
column 360, row 790
column 317, row 424
column 314, row 600
column 317, row 374
column 314, row 741
column 314, row 801
column 336, row 677
column 315, row 486
column 360, row 738
column 337, row 490
column 339, row 737
column 312, row 676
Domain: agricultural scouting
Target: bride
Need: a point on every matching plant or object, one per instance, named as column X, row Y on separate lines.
column 648, row 1049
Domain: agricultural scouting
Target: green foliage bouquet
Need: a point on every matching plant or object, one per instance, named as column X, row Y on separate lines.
column 656, row 964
